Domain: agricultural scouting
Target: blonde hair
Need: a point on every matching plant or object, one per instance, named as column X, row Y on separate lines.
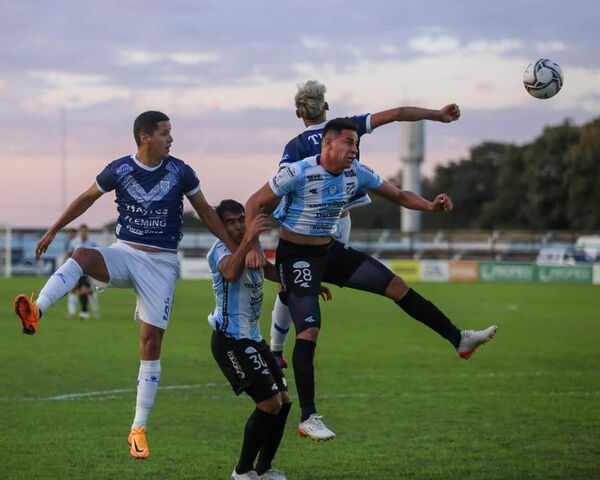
column 310, row 99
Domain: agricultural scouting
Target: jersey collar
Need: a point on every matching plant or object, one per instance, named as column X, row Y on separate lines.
column 318, row 126
column 146, row 167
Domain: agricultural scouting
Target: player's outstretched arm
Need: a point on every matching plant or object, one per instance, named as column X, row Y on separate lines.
column 211, row 219
column 407, row 199
column 262, row 201
column 449, row 113
column 74, row 210
column 232, row 266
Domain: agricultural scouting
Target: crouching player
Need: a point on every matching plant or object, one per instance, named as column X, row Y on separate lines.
column 238, row 347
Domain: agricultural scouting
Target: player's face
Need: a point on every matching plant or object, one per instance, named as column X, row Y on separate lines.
column 159, row 143
column 235, row 224
column 83, row 233
column 344, row 148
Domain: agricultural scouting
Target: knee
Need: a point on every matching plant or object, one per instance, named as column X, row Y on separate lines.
column 310, row 334
column 397, row 289
column 83, row 256
column 271, row 405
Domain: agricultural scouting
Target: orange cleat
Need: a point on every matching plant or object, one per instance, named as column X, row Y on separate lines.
column 28, row 312
column 137, row 443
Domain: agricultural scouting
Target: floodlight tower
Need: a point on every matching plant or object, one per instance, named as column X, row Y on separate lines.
column 412, row 151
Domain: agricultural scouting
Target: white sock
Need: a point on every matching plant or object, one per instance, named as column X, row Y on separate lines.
column 148, row 379
column 59, row 284
column 72, row 304
column 281, row 320
column 94, row 302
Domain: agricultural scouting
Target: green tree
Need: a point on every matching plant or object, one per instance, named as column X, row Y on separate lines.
column 581, row 177
column 545, row 165
column 470, row 182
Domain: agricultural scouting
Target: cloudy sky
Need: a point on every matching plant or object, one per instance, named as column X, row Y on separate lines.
column 226, row 73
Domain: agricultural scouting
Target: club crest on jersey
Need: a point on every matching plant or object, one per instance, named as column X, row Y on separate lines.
column 165, row 186
column 332, row 190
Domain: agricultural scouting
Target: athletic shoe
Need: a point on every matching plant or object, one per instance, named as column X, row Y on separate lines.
column 472, row 339
column 28, row 312
column 314, row 428
column 273, row 475
column 251, row 475
column 84, row 315
column 137, row 443
column 280, row 359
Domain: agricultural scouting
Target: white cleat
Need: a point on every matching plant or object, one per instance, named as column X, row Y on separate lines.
column 273, row 475
column 251, row 475
column 314, row 428
column 472, row 339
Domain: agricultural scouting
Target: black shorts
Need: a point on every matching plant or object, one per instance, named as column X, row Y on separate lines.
column 249, row 366
column 302, row 268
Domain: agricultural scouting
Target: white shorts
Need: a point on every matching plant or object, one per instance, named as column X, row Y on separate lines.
column 151, row 274
column 343, row 227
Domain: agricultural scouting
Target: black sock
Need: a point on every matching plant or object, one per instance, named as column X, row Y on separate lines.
column 83, row 300
column 258, row 426
column 304, row 371
column 269, row 448
column 426, row 312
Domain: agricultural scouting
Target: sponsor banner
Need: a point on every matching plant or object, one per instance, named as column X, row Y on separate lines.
column 596, row 277
column 564, row 274
column 463, row 271
column 434, row 271
column 506, row 272
column 407, row 269
column 194, row 268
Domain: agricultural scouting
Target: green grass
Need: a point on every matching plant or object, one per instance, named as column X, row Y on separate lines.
column 401, row 402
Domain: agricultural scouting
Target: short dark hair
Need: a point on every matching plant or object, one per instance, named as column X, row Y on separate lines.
column 83, row 225
column 339, row 124
column 147, row 123
column 229, row 205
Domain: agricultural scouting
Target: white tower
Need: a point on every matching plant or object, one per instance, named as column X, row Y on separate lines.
column 412, row 151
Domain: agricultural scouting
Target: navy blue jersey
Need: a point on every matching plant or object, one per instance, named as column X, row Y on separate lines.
column 308, row 143
column 149, row 200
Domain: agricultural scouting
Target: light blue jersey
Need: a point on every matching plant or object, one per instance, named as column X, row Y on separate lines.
column 77, row 242
column 313, row 198
column 237, row 303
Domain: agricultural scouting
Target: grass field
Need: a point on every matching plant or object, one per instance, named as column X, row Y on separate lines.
column 404, row 406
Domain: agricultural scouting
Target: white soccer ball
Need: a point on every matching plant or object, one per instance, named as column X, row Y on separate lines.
column 543, row 78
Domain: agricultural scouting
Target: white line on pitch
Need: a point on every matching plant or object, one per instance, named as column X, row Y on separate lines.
column 374, row 395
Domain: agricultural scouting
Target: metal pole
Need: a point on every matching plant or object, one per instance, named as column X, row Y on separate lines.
column 63, row 158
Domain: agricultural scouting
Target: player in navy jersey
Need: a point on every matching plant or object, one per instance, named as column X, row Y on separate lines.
column 315, row 191
column 312, row 108
column 149, row 188
column 238, row 347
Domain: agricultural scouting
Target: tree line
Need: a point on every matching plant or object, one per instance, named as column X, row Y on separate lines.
column 551, row 183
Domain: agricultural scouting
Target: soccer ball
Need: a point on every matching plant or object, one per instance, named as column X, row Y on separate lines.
column 543, row 78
